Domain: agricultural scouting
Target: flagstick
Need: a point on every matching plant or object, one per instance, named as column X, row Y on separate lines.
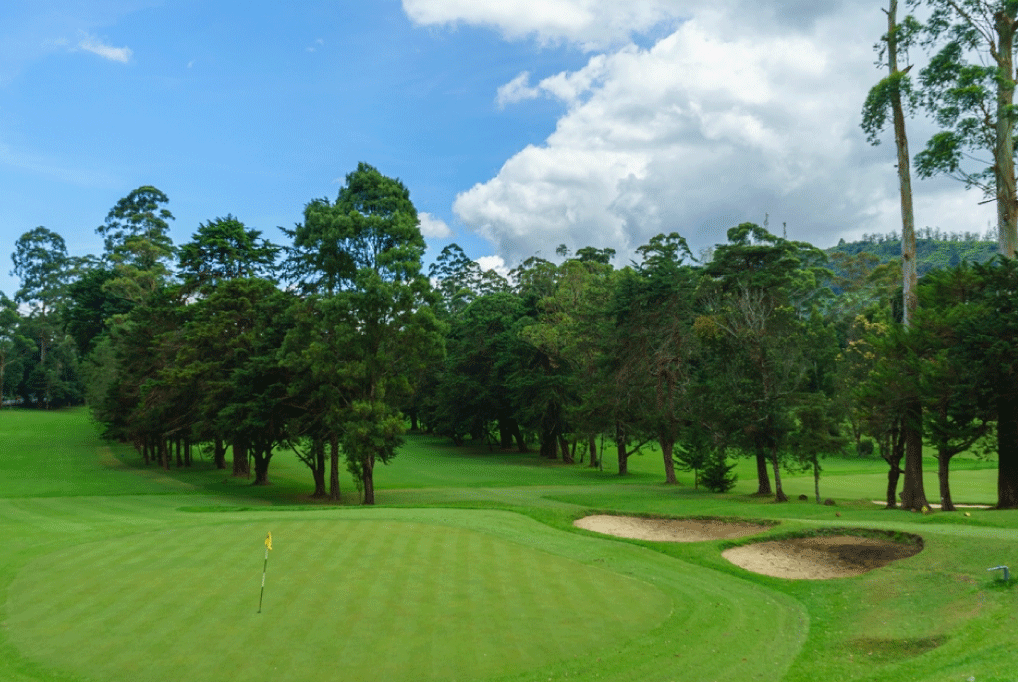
column 265, row 567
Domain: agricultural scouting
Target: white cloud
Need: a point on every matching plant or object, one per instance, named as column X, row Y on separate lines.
column 709, row 128
column 494, row 263
column 591, row 24
column 516, row 90
column 433, row 227
column 116, row 54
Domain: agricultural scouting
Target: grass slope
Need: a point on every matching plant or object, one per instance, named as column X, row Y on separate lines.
column 471, row 569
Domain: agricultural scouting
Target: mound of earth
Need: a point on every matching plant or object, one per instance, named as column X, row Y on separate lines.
column 668, row 530
column 819, row 558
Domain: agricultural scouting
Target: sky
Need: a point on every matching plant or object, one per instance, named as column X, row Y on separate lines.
column 517, row 125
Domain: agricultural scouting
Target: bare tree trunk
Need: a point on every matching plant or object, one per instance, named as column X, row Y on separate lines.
column 914, row 496
column 368, row 478
column 667, row 447
column 943, row 473
column 1007, row 451
column 779, row 494
column 334, row 468
column 620, row 443
column 913, row 492
column 1003, row 152
column 219, row 453
column 763, row 486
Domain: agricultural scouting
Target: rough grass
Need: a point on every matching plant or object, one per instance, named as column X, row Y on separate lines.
column 469, row 568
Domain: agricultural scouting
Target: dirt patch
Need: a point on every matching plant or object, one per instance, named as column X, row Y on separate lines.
column 668, row 530
column 819, row 558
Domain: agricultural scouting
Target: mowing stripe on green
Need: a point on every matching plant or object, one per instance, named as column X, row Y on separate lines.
column 384, row 600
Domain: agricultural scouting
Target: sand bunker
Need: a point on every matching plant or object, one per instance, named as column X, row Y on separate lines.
column 668, row 530
column 818, row 558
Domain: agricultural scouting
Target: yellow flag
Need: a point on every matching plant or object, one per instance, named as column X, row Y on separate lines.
column 268, row 541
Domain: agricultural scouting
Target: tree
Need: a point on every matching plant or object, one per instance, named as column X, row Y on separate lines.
column 985, row 344
column 138, row 244
column 224, row 249
column 13, row 347
column 968, row 87
column 888, row 94
column 657, row 347
column 955, row 417
column 364, row 253
column 41, row 263
column 761, row 292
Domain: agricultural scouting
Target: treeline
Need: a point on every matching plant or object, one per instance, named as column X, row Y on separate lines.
column 935, row 250
column 336, row 343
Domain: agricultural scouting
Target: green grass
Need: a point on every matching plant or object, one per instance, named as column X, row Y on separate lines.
column 469, row 568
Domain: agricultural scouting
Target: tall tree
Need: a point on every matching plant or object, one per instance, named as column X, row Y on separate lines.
column 969, row 88
column 364, row 251
column 41, row 263
column 138, row 244
column 889, row 95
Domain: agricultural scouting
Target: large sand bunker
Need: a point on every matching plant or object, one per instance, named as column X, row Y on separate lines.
column 818, row 558
column 668, row 530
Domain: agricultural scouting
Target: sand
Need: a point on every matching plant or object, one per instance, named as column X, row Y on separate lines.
column 815, row 558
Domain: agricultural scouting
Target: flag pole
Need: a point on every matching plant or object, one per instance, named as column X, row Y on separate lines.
column 265, row 566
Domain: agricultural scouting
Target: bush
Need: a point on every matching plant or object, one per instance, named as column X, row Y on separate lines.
column 717, row 475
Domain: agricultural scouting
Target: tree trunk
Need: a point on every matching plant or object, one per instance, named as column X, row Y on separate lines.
column 334, row 468
column 563, row 445
column 620, row 443
column 763, row 479
column 318, row 470
column 240, row 463
column 908, row 242
column 592, row 446
column 892, row 451
column 261, row 456
column 1003, row 152
column 178, row 446
column 144, row 450
column 913, row 493
column 187, row 451
column 779, row 494
column 667, row 446
column 219, row 453
column 816, row 478
column 164, row 453
column 368, row 478
column 943, row 465
column 1007, row 451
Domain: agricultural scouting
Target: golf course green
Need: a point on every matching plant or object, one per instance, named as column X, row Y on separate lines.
column 469, row 568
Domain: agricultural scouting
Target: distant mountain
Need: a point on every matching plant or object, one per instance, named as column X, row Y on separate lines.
column 934, row 249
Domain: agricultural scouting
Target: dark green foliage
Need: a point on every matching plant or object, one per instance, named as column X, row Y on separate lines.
column 224, row 249
column 717, row 475
column 90, row 308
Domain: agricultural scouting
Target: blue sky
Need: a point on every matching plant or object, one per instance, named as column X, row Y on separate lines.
column 516, row 124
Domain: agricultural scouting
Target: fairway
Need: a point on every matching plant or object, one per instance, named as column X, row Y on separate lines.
column 114, row 572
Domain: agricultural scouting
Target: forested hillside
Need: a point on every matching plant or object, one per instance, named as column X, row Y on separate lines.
column 934, row 249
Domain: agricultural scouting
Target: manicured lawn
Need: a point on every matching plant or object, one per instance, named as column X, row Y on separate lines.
column 469, row 568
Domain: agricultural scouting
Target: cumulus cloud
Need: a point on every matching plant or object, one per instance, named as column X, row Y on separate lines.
column 495, row 263
column 433, row 227
column 115, row 54
column 591, row 24
column 708, row 128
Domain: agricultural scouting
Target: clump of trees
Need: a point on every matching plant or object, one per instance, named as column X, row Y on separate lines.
column 333, row 345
